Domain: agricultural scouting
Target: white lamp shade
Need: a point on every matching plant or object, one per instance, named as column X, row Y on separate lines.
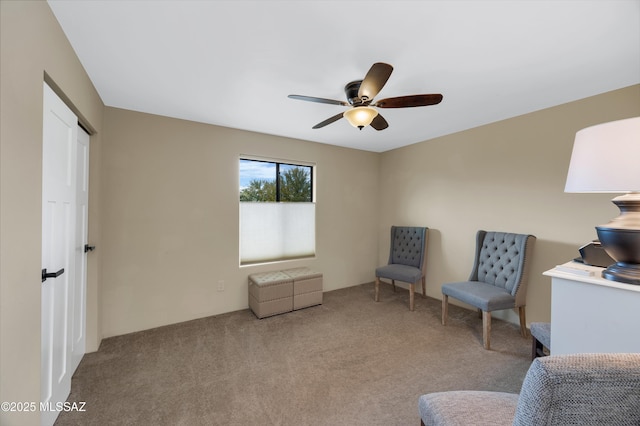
column 360, row 116
column 606, row 158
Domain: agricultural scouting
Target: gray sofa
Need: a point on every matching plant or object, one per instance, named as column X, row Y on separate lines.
column 580, row 389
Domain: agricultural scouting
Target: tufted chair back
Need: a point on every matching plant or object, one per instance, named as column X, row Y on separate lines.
column 408, row 246
column 500, row 261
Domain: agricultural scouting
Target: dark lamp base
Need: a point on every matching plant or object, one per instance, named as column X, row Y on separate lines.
column 623, row 272
column 620, row 238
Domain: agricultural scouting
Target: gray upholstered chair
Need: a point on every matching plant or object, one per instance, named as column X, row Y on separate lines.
column 498, row 279
column 540, row 338
column 578, row 389
column 407, row 260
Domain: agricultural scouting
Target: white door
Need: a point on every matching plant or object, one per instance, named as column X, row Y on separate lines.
column 78, row 323
column 59, row 140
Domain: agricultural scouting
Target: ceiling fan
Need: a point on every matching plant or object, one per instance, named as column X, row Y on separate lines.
column 360, row 94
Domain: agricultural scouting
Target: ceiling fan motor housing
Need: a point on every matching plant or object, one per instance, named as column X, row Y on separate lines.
column 351, row 90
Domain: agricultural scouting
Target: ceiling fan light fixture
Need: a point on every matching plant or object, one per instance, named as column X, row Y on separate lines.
column 360, row 116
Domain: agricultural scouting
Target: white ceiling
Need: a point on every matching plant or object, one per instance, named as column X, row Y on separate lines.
column 233, row 63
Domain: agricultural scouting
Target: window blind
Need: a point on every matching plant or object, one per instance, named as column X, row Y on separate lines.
column 276, row 231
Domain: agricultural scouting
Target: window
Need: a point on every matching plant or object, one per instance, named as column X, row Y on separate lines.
column 277, row 212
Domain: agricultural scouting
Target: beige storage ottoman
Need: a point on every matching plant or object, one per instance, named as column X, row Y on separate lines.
column 270, row 293
column 307, row 287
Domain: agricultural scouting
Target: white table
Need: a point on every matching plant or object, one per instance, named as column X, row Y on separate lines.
column 590, row 314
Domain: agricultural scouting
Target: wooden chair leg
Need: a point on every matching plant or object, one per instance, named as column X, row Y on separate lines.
column 412, row 291
column 523, row 321
column 486, row 329
column 424, row 287
column 377, row 297
column 445, row 308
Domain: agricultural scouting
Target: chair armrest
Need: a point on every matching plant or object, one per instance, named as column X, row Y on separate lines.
column 468, row 408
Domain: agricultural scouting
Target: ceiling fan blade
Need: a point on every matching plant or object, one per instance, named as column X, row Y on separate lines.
column 374, row 80
column 409, row 101
column 328, row 121
column 379, row 123
column 318, row 100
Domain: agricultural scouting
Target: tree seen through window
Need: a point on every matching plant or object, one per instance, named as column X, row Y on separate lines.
column 259, row 183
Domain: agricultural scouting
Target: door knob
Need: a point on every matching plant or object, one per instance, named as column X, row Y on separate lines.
column 46, row 274
column 87, row 248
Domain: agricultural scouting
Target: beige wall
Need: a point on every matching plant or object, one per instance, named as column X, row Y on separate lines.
column 171, row 212
column 505, row 176
column 33, row 44
column 171, row 217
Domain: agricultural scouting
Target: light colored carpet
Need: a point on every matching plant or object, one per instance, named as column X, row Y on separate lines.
column 349, row 361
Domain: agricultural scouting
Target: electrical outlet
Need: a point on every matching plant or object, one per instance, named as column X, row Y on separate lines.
column 220, row 285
